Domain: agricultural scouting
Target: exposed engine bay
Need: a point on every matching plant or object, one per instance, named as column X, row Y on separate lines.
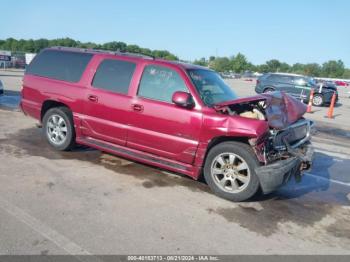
column 279, row 109
column 255, row 110
column 288, row 130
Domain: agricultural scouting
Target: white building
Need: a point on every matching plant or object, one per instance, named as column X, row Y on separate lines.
column 29, row 57
column 5, row 59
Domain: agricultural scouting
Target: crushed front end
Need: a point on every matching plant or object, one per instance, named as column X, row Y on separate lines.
column 285, row 150
column 286, row 153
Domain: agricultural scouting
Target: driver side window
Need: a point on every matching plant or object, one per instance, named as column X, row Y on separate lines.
column 160, row 83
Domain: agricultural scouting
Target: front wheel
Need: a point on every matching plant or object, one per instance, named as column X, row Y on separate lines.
column 317, row 100
column 229, row 171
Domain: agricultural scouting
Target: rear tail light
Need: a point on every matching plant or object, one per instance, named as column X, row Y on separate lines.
column 257, row 81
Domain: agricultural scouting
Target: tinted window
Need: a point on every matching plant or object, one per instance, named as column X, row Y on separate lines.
column 60, row 65
column 160, row 83
column 281, row 79
column 272, row 78
column 114, row 75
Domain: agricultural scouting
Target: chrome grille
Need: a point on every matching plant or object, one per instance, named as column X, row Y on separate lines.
column 295, row 134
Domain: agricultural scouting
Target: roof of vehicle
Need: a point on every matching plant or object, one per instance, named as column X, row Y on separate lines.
column 181, row 64
column 185, row 65
column 287, row 74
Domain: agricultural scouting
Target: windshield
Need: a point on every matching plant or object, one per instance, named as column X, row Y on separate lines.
column 210, row 86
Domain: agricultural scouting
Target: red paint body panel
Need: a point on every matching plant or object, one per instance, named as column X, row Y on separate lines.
column 160, row 131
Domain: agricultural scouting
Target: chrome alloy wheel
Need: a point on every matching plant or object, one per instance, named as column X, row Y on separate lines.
column 317, row 100
column 230, row 172
column 56, row 129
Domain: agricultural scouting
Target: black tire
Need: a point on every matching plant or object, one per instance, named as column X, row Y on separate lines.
column 268, row 90
column 318, row 100
column 243, row 151
column 66, row 114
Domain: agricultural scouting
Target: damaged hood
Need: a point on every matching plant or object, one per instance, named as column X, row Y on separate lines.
column 281, row 109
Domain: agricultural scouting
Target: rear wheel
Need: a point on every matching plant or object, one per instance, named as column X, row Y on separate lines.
column 317, row 100
column 59, row 128
column 229, row 171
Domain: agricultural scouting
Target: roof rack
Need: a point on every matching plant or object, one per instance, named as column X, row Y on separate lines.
column 287, row 74
column 118, row 52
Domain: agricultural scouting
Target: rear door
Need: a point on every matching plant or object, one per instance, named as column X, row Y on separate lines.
column 301, row 88
column 157, row 125
column 107, row 102
column 283, row 83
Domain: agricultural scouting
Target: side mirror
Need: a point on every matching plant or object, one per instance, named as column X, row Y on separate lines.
column 183, row 99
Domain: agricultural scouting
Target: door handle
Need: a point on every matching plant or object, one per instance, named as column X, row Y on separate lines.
column 93, row 98
column 137, row 107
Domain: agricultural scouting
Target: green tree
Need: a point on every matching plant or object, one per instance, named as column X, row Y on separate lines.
column 8, row 44
column 164, row 54
column 263, row 68
column 273, row 65
column 298, row 68
column 68, row 42
column 220, row 64
column 88, row 45
column 29, row 46
column 146, row 51
column 201, row 62
column 133, row 48
column 115, row 46
column 333, row 68
column 312, row 69
column 239, row 63
column 284, row 67
column 40, row 44
column 346, row 73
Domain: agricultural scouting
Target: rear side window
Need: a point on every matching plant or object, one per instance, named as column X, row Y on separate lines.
column 160, row 83
column 114, row 75
column 60, row 65
column 281, row 79
column 263, row 77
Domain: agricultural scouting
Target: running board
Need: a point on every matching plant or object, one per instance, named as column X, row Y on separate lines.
column 137, row 155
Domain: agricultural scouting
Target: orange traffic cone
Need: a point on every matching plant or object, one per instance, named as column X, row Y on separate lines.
column 309, row 105
column 331, row 107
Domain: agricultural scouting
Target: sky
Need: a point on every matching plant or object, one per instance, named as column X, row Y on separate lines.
column 290, row 30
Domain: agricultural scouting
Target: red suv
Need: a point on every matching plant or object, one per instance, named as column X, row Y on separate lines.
column 173, row 115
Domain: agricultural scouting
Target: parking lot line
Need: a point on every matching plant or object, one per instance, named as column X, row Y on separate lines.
column 327, row 179
column 332, row 153
column 61, row 241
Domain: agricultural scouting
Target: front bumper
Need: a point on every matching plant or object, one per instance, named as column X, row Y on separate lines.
column 274, row 175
